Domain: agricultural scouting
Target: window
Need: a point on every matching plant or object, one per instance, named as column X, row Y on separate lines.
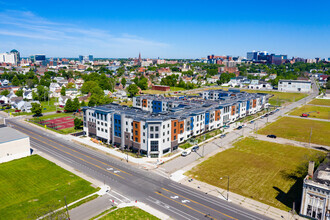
column 163, row 140
column 106, row 130
column 101, row 129
column 181, row 125
column 98, row 122
column 156, row 136
column 144, row 141
column 105, row 124
column 168, row 125
column 136, row 133
column 151, row 128
column 174, row 137
column 136, row 126
column 154, row 145
column 136, row 139
column 156, row 128
column 174, row 131
column 163, row 126
column 168, row 139
column 163, row 133
column 102, row 123
column 144, row 134
column 168, row 132
column 174, row 124
column 151, row 135
column 98, row 129
column 126, row 123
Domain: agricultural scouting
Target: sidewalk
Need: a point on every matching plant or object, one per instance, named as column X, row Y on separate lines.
column 247, row 203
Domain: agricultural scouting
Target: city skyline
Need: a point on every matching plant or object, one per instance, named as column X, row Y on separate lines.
column 180, row 30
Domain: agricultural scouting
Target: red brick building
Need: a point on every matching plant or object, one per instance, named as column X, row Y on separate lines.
column 161, row 88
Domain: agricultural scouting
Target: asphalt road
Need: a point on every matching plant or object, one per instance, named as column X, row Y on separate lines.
column 169, row 197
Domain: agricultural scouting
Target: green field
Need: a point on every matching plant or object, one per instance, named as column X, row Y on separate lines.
column 280, row 98
column 33, row 186
column 320, row 102
column 299, row 130
column 129, row 213
column 320, row 112
column 265, row 171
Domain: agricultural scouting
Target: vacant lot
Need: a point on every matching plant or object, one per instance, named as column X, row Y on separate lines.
column 33, row 186
column 299, row 130
column 315, row 111
column 129, row 213
column 320, row 102
column 268, row 172
column 280, row 98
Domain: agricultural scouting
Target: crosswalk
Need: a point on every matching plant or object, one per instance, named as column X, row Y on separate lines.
column 117, row 198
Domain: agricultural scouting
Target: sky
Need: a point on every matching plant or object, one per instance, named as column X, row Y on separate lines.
column 165, row 29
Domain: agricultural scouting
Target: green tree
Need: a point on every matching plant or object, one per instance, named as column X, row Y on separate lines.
column 328, row 84
column 36, row 108
column 19, row 93
column 5, row 92
column 63, row 91
column 15, row 81
column 75, row 104
column 88, row 86
column 132, row 90
column 77, row 123
column 123, row 82
column 92, row 102
column 68, row 106
column 82, row 104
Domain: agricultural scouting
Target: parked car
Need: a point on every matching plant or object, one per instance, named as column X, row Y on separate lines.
column 226, row 126
column 239, row 127
column 17, row 110
column 223, row 135
column 37, row 115
column 271, row 136
column 195, row 148
column 266, row 115
column 185, row 153
column 58, row 111
column 251, row 122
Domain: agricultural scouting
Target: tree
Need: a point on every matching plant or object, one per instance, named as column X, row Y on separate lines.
column 42, row 93
column 70, row 85
column 225, row 77
column 63, row 91
column 123, row 82
column 36, row 108
column 5, row 92
column 92, row 102
column 132, row 90
column 77, row 123
column 328, row 84
column 68, row 106
column 75, row 104
column 88, row 86
column 15, row 81
column 19, row 93
column 82, row 104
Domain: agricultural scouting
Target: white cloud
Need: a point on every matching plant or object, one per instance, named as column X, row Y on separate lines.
column 25, row 26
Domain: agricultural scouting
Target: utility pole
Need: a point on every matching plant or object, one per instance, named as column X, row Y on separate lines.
column 67, row 210
column 310, row 137
column 227, row 186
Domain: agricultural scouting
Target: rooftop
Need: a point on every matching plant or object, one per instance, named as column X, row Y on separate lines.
column 9, row 134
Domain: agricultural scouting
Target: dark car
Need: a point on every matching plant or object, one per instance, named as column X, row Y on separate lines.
column 239, row 127
column 194, row 149
column 37, row 115
column 222, row 136
column 271, row 136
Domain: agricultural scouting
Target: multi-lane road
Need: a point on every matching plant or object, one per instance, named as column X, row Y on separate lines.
column 169, row 197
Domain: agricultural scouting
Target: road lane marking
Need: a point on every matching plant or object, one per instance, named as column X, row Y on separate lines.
column 215, row 202
column 70, row 149
column 187, row 206
column 121, row 195
column 77, row 157
column 115, row 197
column 171, row 208
column 199, row 203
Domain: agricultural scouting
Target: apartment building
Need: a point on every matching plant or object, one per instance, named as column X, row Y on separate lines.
column 156, row 125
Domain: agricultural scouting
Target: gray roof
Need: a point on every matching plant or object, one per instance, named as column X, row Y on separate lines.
column 9, row 134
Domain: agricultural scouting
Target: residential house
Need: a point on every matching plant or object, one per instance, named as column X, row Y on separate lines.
column 27, row 95
column 63, row 99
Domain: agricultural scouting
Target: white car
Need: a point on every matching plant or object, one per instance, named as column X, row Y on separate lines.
column 186, row 153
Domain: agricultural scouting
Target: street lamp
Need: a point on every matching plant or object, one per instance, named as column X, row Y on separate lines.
column 227, row 185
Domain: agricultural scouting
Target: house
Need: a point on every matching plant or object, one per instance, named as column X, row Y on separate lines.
column 54, row 86
column 4, row 99
column 25, row 106
column 27, row 95
column 4, row 82
column 15, row 100
column 120, row 94
column 63, row 99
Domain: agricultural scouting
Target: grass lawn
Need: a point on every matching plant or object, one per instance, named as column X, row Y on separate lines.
column 128, row 103
column 129, row 213
column 280, row 98
column 32, row 186
column 268, row 172
column 320, row 102
column 174, row 88
column 56, row 115
column 299, row 130
column 321, row 112
column 49, row 108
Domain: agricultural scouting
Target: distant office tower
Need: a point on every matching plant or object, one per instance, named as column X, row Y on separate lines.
column 254, row 55
column 13, row 57
column 83, row 59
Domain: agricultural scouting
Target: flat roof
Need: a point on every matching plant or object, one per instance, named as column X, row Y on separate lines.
column 8, row 134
